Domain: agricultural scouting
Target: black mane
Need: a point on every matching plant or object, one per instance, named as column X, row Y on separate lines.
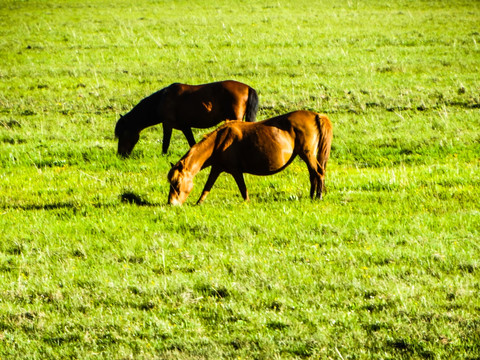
column 141, row 114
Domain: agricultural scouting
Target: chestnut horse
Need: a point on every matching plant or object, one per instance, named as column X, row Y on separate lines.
column 261, row 148
column 181, row 106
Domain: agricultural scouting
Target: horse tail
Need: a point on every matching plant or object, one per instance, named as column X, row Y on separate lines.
column 325, row 142
column 252, row 105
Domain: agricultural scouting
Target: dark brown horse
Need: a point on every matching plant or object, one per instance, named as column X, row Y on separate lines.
column 261, row 148
column 181, row 106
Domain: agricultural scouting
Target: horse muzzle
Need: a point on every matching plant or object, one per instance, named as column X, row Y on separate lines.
column 174, row 202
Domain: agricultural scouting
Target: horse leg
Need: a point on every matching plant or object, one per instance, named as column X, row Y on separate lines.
column 238, row 176
column 321, row 182
column 314, row 182
column 316, row 178
column 212, row 177
column 167, row 135
column 189, row 135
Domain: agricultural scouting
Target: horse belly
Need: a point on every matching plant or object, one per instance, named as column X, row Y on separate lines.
column 200, row 114
column 205, row 120
column 268, row 156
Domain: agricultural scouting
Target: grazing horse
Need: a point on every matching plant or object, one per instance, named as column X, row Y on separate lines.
column 261, row 148
column 181, row 106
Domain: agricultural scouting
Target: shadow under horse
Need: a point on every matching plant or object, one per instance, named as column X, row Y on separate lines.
column 183, row 107
column 261, row 148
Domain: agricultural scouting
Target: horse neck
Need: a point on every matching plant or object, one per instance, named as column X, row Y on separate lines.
column 144, row 113
column 198, row 156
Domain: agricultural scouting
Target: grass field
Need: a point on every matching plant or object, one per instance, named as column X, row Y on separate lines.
column 387, row 266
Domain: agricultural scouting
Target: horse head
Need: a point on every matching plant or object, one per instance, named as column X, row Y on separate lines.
column 181, row 184
column 127, row 138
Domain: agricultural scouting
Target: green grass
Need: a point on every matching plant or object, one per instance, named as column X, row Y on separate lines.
column 93, row 264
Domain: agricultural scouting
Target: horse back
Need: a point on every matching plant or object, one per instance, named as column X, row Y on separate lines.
column 203, row 106
column 255, row 148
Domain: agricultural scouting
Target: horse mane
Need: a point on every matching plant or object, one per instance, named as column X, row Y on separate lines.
column 119, row 126
column 208, row 138
column 143, row 110
column 204, row 147
column 210, row 134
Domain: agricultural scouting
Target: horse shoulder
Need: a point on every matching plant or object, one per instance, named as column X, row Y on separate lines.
column 167, row 106
column 227, row 135
column 174, row 91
